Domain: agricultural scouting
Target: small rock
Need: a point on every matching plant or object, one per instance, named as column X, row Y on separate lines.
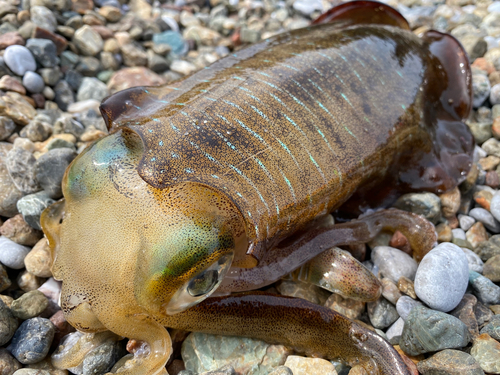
column 281, row 370
column 131, row 77
column 480, row 131
column 346, row 306
column 480, row 89
column 33, row 82
column 39, row 259
column 204, row 352
column 450, row 202
column 486, row 352
column 36, row 131
column 395, row 331
column 404, row 306
column 88, row 41
column 4, row 279
column 27, row 281
column 8, row 364
column 134, row 55
column 493, row 327
column 45, row 52
column 486, row 250
column 101, row 359
column 444, row 232
column 458, row 234
column 32, row 340
column 483, row 216
column 31, row 207
column 465, row 312
column 466, row 221
column 427, row 330
column 394, row 263
column 426, row 204
column 19, row 59
column 299, row 289
column 9, row 194
column 64, row 95
column 8, row 83
column 484, row 289
column 489, row 163
column 177, row 44
column 43, row 17
column 492, row 179
column 7, row 126
column 17, row 230
column 92, row 88
column 442, row 276
column 8, row 324
column 111, row 13
column 390, row 290
column 29, row 305
column 10, row 39
column 475, row 262
column 183, row 67
column 21, row 166
column 406, row 286
column 382, row 313
column 491, row 269
column 12, row 254
column 309, row 366
column 451, row 362
column 476, row 234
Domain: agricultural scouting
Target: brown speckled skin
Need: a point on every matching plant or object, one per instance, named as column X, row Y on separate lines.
column 240, row 158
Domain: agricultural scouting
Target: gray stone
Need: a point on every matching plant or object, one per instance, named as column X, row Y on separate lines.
column 487, row 249
column 475, row 262
column 427, row 330
column 404, row 306
column 33, row 82
column 426, row 204
column 484, row 289
column 36, row 131
column 458, row 233
column 395, row 331
column 29, row 305
column 31, row 207
column 50, row 168
column 32, row 340
column 66, row 124
column 466, row 221
column 492, row 328
column 495, row 94
column 21, row 166
column 8, row 323
column 450, row 362
column 89, row 66
column 394, row 263
column 12, row 254
column 19, row 59
column 442, row 277
column 45, row 52
column 7, row 126
column 495, row 206
column 92, row 88
column 480, row 89
column 134, row 55
column 43, row 17
column 483, row 216
column 486, row 352
column 382, row 313
column 88, row 41
column 480, row 130
column 69, row 59
column 64, row 95
column 50, row 76
column 9, row 193
column 101, row 359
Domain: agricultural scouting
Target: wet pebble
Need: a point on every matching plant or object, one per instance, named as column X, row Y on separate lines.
column 32, row 340
column 450, row 362
column 465, row 312
column 484, row 289
column 427, row 330
column 19, row 59
column 12, row 254
column 29, row 305
column 8, row 323
column 382, row 313
column 486, row 352
column 426, row 204
column 394, row 263
column 442, row 277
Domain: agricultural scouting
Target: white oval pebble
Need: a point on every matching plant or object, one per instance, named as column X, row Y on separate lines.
column 19, row 59
column 485, row 217
column 442, row 277
column 394, row 263
column 12, row 254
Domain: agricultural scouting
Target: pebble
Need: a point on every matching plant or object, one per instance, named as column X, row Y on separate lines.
column 474, row 261
column 29, row 305
column 45, row 52
column 33, row 82
column 404, row 306
column 390, row 290
column 17, row 230
column 459, row 234
column 346, row 306
column 395, row 331
column 486, row 352
column 483, row 216
column 299, row 289
column 492, row 328
column 486, row 250
column 480, row 89
column 442, row 277
column 19, row 59
column 12, row 254
column 32, row 205
column 4, row 279
column 92, row 88
column 450, row 362
column 382, row 313
column 465, row 312
column 8, row 83
column 64, row 95
column 426, row 204
column 476, row 234
column 281, row 370
column 7, row 126
column 43, row 17
column 9, row 194
column 427, row 330
column 495, row 206
column 491, row 269
column 101, row 359
column 309, row 366
column 407, row 287
column 466, row 221
column 394, row 263
column 21, row 166
column 32, row 340
column 204, row 352
column 8, row 364
column 8, row 323
column 484, row 289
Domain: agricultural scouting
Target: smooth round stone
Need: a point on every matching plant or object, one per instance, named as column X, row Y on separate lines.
column 475, row 262
column 394, row 263
column 495, row 206
column 8, row 323
column 486, row 352
column 466, row 222
column 404, row 306
column 19, row 59
column 492, row 328
column 12, row 254
column 485, row 217
column 450, row 362
column 458, row 233
column 31, row 207
column 382, row 313
column 427, row 330
column 29, row 305
column 33, row 82
column 484, row 289
column 50, row 168
column 17, row 230
column 32, row 340
column 442, row 277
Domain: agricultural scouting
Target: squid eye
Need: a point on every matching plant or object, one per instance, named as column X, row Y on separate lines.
column 203, row 283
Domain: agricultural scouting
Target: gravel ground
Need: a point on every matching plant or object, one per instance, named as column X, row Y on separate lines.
column 60, row 58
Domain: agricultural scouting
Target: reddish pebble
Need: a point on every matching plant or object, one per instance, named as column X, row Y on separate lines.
column 399, row 241
column 492, row 179
column 453, row 222
column 103, row 31
column 8, row 83
column 62, row 327
column 483, row 64
column 60, row 42
column 10, row 39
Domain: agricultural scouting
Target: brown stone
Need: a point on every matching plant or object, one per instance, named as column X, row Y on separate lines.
column 483, row 198
column 476, row 234
column 131, row 77
column 399, row 241
column 62, row 327
column 92, row 135
column 490, row 162
column 451, row 362
column 39, row 100
column 17, row 230
column 39, row 259
column 494, row 78
column 8, row 83
column 60, row 42
column 10, row 39
column 23, row 16
column 492, row 179
column 16, row 107
column 453, row 222
column 81, row 6
column 349, row 307
column 444, row 232
column 175, row 367
column 390, row 290
column 483, row 64
column 112, row 14
column 406, row 286
column 450, row 202
column 465, row 312
column 495, row 128
column 491, row 269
